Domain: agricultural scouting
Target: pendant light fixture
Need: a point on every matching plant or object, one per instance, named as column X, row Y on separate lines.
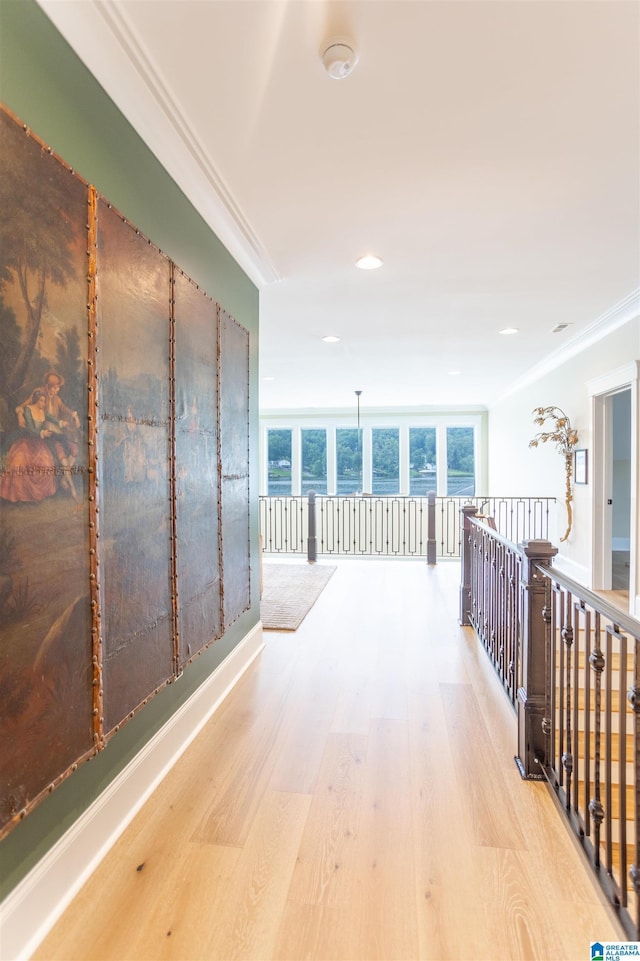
column 360, row 465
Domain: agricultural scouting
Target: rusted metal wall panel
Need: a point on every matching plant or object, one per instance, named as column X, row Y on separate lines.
column 234, row 466
column 46, row 691
column 196, row 475
column 133, row 321
column 123, row 462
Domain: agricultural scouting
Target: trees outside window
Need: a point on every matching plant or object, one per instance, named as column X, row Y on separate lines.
column 349, row 460
column 279, row 457
column 395, row 460
column 460, row 461
column 314, row 461
column 422, row 460
column 385, row 460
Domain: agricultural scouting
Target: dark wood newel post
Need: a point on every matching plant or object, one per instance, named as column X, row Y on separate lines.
column 312, row 539
column 531, row 700
column 468, row 511
column 431, row 528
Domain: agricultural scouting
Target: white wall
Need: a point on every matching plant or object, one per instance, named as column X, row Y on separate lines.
column 515, row 468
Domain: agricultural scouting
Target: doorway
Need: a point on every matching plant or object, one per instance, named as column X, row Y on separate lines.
column 615, row 478
column 620, row 489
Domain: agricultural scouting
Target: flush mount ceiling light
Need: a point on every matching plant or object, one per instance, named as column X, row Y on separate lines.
column 338, row 59
column 509, row 330
column 331, row 339
column 369, row 262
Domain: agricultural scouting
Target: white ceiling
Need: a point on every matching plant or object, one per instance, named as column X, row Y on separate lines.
column 487, row 151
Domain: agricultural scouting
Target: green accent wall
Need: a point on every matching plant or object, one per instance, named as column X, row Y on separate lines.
column 47, row 87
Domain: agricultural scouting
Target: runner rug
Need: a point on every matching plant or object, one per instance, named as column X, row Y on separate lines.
column 289, row 591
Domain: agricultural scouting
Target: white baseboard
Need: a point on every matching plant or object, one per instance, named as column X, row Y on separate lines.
column 579, row 572
column 36, row 903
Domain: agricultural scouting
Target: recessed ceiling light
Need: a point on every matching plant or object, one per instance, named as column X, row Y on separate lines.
column 369, row 262
column 268, row 378
column 453, row 373
column 509, row 330
column 331, row 339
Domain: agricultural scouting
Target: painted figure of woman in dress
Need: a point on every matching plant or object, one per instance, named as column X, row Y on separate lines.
column 30, row 471
column 63, row 425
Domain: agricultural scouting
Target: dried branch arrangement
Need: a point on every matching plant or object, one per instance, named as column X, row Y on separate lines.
column 565, row 437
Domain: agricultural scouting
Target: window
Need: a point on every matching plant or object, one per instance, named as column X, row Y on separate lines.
column 349, row 460
column 314, row 461
column 385, row 460
column 422, row 460
column 396, row 458
column 460, row 461
column 279, row 457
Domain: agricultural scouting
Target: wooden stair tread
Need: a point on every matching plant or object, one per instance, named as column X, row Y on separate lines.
column 615, row 745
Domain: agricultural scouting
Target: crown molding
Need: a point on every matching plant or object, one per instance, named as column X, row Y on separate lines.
column 621, row 313
column 107, row 43
column 613, row 380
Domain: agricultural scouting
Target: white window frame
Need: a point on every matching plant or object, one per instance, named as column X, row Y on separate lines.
column 330, row 420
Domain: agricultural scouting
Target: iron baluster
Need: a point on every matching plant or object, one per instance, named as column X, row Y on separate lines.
column 567, row 637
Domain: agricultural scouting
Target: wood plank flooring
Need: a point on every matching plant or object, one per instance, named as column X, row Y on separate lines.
column 619, row 594
column 355, row 798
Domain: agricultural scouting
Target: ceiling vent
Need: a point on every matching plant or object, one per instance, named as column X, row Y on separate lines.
column 559, row 328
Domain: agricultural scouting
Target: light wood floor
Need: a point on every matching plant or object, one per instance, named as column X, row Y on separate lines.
column 355, row 798
column 619, row 594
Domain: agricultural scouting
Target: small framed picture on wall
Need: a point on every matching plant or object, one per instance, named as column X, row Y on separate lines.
column 581, row 466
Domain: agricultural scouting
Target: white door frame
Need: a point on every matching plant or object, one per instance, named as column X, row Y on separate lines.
column 601, row 389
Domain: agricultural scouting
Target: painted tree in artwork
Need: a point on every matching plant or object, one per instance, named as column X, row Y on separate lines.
column 68, row 362
column 37, row 238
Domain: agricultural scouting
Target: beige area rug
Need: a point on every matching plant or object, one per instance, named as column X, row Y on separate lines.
column 289, row 591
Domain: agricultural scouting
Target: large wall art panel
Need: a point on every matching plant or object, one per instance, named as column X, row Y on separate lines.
column 46, row 692
column 234, row 454
column 133, row 312
column 197, row 468
column 124, row 471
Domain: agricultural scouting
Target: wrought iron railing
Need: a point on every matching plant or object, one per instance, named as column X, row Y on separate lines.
column 494, row 609
column 593, row 757
column 570, row 664
column 392, row 526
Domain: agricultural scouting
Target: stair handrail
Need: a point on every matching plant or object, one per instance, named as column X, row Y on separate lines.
column 623, row 621
column 578, row 696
